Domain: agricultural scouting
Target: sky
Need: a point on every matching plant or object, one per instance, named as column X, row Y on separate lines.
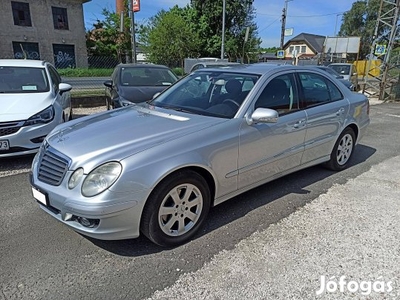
column 304, row 16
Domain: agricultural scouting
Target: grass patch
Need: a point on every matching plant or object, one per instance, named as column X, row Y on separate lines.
column 85, row 72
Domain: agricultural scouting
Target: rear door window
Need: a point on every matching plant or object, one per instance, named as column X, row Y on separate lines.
column 316, row 90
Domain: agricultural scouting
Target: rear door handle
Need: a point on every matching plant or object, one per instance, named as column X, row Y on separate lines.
column 340, row 111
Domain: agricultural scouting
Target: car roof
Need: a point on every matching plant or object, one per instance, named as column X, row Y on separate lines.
column 22, row 63
column 262, row 68
column 342, row 64
column 147, row 66
column 216, row 63
column 257, row 68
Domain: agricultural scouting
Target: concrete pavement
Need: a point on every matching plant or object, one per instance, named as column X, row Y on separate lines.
column 343, row 245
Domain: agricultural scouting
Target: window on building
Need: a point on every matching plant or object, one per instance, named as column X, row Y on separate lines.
column 60, row 18
column 21, row 13
column 303, row 49
column 64, row 56
column 297, row 49
column 291, row 49
column 24, row 50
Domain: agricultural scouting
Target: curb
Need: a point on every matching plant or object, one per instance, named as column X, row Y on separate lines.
column 91, row 101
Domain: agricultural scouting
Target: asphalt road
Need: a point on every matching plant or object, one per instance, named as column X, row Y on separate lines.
column 42, row 259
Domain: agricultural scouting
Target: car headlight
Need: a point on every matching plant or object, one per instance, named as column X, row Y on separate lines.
column 101, row 179
column 45, row 116
column 121, row 102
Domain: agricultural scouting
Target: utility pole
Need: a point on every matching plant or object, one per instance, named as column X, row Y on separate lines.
column 135, row 7
column 223, row 29
column 388, row 17
column 284, row 14
column 283, row 26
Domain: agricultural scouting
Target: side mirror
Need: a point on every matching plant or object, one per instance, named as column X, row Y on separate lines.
column 263, row 115
column 108, row 83
column 156, row 95
column 64, row 87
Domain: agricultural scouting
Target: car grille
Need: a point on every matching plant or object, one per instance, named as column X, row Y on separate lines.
column 7, row 128
column 52, row 167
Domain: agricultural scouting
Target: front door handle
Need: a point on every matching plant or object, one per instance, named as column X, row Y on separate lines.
column 300, row 123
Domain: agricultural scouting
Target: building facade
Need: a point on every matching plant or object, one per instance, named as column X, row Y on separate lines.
column 304, row 46
column 50, row 30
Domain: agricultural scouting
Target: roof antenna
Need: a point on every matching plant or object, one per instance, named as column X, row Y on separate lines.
column 23, row 51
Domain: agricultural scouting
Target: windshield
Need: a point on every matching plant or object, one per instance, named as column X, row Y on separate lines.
column 212, row 93
column 143, row 76
column 23, row 80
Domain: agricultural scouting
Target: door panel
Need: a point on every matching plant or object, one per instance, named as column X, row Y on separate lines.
column 325, row 108
column 266, row 149
column 269, row 149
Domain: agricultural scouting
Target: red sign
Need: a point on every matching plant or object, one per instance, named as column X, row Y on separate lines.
column 135, row 5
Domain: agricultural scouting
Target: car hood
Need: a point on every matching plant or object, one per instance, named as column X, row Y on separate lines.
column 15, row 107
column 138, row 94
column 119, row 133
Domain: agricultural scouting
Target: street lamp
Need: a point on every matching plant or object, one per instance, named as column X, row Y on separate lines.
column 335, row 34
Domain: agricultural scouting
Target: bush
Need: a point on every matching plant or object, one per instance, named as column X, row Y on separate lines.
column 178, row 71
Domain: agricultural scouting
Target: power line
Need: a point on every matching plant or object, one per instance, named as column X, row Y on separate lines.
column 310, row 16
column 268, row 25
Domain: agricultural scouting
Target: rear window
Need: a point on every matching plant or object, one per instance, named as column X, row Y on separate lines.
column 147, row 77
column 341, row 69
column 23, row 80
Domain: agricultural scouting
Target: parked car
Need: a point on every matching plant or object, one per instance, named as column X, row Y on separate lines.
column 212, row 64
column 134, row 83
column 339, row 77
column 348, row 71
column 157, row 168
column 33, row 101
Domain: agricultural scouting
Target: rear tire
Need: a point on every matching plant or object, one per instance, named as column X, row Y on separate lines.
column 176, row 209
column 342, row 151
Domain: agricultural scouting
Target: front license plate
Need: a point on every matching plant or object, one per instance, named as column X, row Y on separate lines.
column 39, row 196
column 4, row 145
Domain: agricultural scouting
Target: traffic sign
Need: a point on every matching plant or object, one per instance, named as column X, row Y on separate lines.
column 280, row 54
column 380, row 49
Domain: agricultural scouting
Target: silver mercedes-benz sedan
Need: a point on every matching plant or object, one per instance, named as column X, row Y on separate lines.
column 156, row 168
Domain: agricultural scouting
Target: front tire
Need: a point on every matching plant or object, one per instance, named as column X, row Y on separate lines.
column 342, row 151
column 176, row 209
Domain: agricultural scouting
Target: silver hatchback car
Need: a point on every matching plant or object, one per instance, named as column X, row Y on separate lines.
column 156, row 168
column 33, row 102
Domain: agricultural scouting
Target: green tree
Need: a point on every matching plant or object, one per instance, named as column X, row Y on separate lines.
column 168, row 38
column 239, row 15
column 105, row 38
column 360, row 21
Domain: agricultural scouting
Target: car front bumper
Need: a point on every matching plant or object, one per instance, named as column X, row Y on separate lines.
column 26, row 139
column 112, row 215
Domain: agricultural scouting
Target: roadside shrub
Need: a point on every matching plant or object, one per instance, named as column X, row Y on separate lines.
column 178, row 71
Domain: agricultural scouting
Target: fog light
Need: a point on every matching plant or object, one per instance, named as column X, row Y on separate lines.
column 87, row 222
